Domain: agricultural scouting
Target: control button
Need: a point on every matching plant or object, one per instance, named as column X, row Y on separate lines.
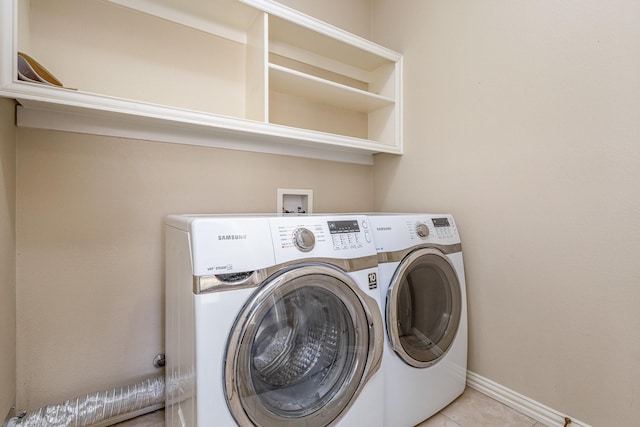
column 422, row 230
column 365, row 225
column 367, row 236
column 304, row 239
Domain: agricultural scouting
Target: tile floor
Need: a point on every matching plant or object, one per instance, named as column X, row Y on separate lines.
column 472, row 409
column 154, row 419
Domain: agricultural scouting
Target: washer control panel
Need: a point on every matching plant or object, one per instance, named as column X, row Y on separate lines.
column 346, row 234
column 331, row 236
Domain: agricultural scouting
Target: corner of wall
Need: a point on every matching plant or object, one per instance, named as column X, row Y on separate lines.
column 7, row 256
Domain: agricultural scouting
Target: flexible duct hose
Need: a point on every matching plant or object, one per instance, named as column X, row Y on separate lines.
column 97, row 407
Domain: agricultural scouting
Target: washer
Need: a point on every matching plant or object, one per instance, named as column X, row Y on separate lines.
column 272, row 321
column 422, row 286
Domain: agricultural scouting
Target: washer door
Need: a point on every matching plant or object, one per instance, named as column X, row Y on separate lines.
column 423, row 309
column 302, row 349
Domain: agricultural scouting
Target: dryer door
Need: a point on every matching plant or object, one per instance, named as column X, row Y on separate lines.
column 423, row 309
column 302, row 349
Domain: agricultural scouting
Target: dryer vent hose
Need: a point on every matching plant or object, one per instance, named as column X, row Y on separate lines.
column 98, row 409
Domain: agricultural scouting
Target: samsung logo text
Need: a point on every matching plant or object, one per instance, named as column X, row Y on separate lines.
column 232, row 237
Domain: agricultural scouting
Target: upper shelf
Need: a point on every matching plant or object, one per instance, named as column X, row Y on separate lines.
column 325, row 40
column 166, row 82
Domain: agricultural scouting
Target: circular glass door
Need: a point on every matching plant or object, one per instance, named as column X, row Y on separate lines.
column 424, row 305
column 301, row 350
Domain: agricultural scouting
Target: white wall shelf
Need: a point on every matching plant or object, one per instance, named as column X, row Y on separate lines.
column 313, row 88
column 223, row 73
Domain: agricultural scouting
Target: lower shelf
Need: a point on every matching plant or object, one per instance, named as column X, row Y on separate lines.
column 201, row 130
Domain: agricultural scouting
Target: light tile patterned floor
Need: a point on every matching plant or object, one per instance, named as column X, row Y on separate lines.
column 154, row 419
column 472, row 409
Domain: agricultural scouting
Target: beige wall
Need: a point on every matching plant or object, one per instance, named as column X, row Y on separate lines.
column 90, row 244
column 352, row 15
column 523, row 119
column 7, row 257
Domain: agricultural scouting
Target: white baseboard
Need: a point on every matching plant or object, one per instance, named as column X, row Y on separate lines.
column 520, row 403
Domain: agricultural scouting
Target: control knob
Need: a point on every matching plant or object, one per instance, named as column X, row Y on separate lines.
column 422, row 230
column 304, row 239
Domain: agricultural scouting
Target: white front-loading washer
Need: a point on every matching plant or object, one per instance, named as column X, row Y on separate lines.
column 422, row 285
column 272, row 321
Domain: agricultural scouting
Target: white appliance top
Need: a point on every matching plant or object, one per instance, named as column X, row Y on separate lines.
column 393, row 232
column 223, row 244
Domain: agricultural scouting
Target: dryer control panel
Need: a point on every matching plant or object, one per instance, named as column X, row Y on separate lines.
column 443, row 228
column 437, row 227
column 392, row 232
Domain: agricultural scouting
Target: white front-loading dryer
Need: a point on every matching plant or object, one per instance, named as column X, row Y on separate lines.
column 422, row 285
column 272, row 321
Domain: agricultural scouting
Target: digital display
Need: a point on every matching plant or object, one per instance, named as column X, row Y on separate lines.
column 440, row 222
column 339, row 227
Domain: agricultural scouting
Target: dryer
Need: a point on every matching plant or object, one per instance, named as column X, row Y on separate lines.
column 422, row 287
column 272, row 321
